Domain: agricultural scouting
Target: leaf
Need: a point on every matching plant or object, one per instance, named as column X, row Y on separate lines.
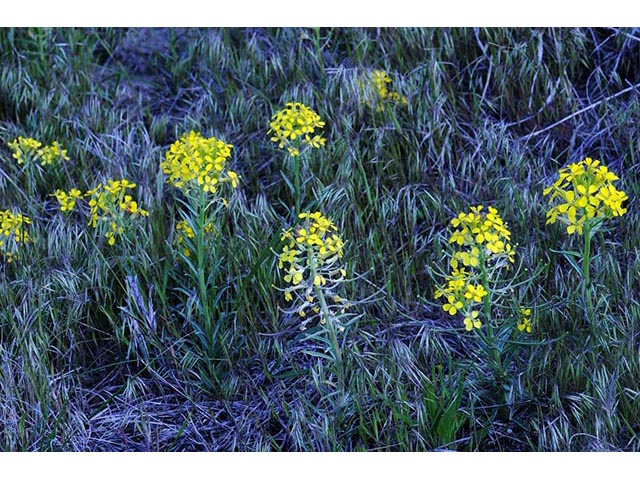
column 449, row 422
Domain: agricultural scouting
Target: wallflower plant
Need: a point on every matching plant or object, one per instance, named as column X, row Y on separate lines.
column 13, row 233
column 310, row 261
column 198, row 167
column 482, row 249
column 582, row 198
column 294, row 128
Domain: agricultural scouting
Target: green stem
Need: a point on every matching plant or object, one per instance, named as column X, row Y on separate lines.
column 490, row 338
column 329, row 322
column 297, row 183
column 586, row 260
column 200, row 258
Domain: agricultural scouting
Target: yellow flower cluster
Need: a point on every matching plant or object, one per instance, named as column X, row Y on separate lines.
column 480, row 235
column 374, row 91
column 184, row 232
column 309, row 260
column 482, row 243
column 12, row 233
column 66, row 200
column 195, row 162
column 585, row 191
column 26, row 150
column 294, row 126
column 462, row 295
column 524, row 323
column 109, row 203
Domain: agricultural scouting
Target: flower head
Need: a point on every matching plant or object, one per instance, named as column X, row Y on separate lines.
column 27, row 150
column 479, row 233
column 481, row 243
column 52, row 153
column 67, row 201
column 524, row 322
column 184, row 234
column 294, row 127
column 12, row 233
column 195, row 162
column 584, row 191
column 112, row 206
column 374, row 90
column 472, row 321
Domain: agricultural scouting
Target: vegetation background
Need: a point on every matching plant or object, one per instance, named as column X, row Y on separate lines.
column 99, row 349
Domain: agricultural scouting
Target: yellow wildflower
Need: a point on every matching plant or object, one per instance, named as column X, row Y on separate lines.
column 12, row 233
column 66, row 200
column 294, row 127
column 108, row 204
column 310, row 262
column 524, row 322
column 472, row 321
column 374, row 90
column 196, row 162
column 481, row 242
column 584, row 191
column 26, row 150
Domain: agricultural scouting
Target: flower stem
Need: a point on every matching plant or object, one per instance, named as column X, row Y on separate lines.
column 297, row 183
column 586, row 260
column 490, row 338
column 200, row 258
column 330, row 325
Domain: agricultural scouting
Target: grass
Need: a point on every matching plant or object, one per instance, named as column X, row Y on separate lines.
column 100, row 347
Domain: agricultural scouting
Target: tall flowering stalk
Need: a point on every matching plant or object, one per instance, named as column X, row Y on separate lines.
column 294, row 128
column 198, row 167
column 482, row 248
column 311, row 263
column 582, row 198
